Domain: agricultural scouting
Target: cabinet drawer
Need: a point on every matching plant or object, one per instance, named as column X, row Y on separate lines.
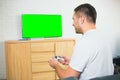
column 42, row 56
column 36, row 47
column 44, row 76
column 41, row 67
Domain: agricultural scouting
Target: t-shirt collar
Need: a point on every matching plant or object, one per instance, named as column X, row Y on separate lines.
column 92, row 30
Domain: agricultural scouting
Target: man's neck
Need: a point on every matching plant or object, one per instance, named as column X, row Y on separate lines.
column 88, row 27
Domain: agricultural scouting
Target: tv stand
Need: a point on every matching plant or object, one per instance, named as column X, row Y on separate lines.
column 28, row 60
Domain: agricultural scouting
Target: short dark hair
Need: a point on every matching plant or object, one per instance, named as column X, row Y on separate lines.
column 88, row 10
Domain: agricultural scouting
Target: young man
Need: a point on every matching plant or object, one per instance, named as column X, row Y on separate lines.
column 92, row 56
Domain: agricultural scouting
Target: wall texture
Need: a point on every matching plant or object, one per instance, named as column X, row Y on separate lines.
column 108, row 20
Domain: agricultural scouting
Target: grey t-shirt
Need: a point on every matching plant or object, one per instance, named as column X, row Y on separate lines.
column 92, row 56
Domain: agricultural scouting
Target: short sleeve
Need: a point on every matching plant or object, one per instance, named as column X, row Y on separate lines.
column 80, row 56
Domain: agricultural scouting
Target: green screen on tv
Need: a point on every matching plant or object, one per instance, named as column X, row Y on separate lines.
column 41, row 25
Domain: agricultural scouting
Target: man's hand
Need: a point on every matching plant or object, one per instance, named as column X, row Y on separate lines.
column 53, row 62
column 63, row 73
column 65, row 61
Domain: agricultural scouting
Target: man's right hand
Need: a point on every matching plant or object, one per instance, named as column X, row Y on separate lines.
column 65, row 61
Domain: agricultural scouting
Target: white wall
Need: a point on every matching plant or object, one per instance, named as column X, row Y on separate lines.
column 108, row 21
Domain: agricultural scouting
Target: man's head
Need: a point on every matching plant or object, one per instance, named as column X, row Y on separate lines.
column 84, row 18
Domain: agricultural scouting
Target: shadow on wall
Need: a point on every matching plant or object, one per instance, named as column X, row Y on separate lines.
column 117, row 48
column 2, row 60
column 2, row 49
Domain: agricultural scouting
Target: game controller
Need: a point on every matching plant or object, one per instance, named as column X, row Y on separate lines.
column 59, row 58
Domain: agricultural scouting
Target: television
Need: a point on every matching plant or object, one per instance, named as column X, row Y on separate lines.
column 41, row 25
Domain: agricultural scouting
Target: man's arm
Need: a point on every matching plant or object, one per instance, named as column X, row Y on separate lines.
column 63, row 73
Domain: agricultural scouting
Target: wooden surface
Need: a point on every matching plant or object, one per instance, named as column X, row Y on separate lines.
column 18, row 61
column 28, row 60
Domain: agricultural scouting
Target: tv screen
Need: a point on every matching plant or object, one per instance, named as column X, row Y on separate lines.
column 41, row 25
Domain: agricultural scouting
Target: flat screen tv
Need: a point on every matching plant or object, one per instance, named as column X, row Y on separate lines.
column 41, row 25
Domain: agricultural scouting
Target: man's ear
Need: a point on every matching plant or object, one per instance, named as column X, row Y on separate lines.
column 81, row 19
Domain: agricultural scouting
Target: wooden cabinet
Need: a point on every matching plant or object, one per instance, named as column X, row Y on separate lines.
column 28, row 60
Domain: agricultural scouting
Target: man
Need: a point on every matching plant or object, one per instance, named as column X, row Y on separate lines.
column 92, row 55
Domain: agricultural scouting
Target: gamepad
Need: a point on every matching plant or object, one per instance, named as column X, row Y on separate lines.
column 59, row 58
